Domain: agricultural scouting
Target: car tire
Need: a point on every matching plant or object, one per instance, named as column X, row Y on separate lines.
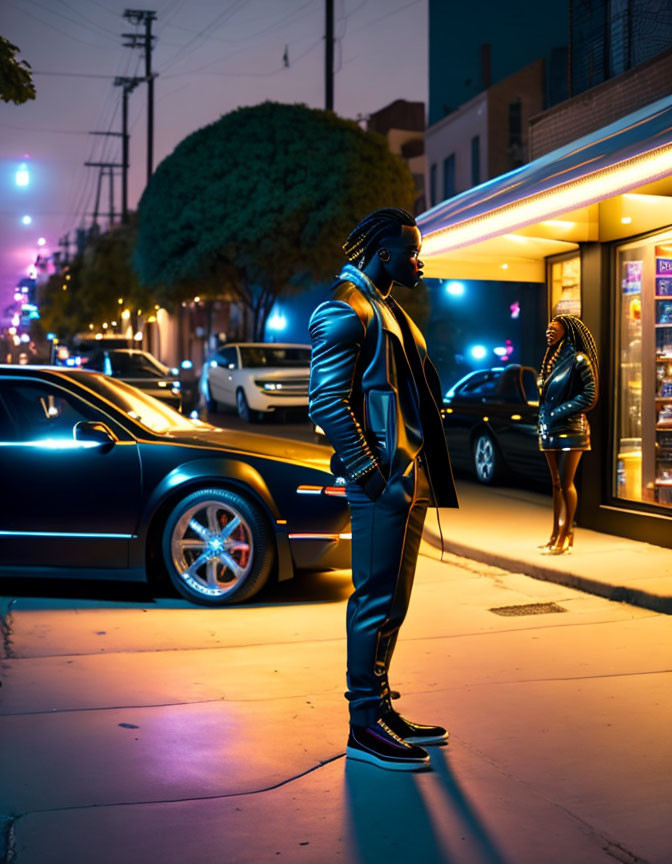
column 242, row 406
column 208, row 561
column 487, row 461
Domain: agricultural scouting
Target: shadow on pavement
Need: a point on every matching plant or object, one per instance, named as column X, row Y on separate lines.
column 394, row 817
column 323, row 587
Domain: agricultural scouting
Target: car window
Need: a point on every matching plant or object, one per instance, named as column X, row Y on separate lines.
column 228, row 357
column 508, row 387
column 483, row 384
column 530, row 388
column 255, row 356
column 123, row 365
column 141, row 407
column 35, row 411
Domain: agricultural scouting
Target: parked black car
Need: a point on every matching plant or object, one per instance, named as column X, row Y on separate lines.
column 139, row 369
column 100, row 480
column 490, row 420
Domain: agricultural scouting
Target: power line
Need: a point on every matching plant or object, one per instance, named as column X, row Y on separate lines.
column 222, row 18
column 71, row 74
column 53, row 26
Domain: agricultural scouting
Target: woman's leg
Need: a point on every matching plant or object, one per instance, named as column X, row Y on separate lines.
column 552, row 459
column 568, row 462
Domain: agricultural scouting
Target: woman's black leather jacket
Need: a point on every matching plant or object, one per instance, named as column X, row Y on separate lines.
column 569, row 390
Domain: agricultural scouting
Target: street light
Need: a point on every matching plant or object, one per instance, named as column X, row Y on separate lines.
column 22, row 176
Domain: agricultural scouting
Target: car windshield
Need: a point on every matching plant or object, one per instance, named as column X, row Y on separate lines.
column 144, row 409
column 135, row 364
column 277, row 357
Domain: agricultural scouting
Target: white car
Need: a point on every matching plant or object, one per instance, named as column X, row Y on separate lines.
column 256, row 378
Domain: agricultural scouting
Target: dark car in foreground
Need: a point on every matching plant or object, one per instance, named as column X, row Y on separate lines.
column 100, row 480
column 139, row 369
column 490, row 421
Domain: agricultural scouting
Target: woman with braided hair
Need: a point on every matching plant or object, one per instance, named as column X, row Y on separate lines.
column 376, row 395
column 568, row 384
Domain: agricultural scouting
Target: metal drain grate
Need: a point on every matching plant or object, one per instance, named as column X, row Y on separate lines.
column 528, row 609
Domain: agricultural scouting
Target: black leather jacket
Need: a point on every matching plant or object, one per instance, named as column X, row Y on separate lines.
column 373, row 389
column 567, row 393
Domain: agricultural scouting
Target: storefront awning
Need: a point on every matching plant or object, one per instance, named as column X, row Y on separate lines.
column 505, row 228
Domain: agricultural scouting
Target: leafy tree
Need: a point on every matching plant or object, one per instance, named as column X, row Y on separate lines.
column 97, row 279
column 256, row 204
column 16, row 83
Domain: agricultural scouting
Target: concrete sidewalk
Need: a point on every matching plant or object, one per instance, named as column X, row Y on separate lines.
column 504, row 527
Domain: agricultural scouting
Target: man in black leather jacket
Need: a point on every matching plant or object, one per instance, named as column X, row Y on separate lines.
column 376, row 395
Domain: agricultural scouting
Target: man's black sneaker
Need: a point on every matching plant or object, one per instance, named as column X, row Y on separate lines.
column 379, row 745
column 413, row 733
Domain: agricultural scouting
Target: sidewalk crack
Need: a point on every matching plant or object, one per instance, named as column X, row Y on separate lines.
column 612, row 847
column 221, row 797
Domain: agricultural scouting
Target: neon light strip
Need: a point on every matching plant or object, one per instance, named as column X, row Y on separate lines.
column 320, row 536
column 52, row 444
column 65, row 534
column 605, row 183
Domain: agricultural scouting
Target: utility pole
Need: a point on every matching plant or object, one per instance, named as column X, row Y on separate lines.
column 329, row 57
column 64, row 244
column 107, row 167
column 137, row 40
column 128, row 85
column 102, row 171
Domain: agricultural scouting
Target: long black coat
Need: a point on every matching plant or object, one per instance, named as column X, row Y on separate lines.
column 373, row 389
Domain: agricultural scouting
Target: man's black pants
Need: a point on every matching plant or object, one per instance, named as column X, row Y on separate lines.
column 386, row 538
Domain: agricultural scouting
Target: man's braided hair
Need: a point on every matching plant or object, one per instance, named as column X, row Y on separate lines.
column 366, row 238
column 580, row 337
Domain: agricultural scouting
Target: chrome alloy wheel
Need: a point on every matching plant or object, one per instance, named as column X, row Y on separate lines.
column 212, row 547
column 484, row 458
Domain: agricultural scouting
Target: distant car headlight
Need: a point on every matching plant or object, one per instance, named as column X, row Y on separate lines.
column 269, row 385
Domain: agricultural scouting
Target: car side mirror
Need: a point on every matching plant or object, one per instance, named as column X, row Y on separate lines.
column 94, row 432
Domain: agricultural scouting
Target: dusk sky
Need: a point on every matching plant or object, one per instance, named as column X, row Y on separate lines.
column 211, row 57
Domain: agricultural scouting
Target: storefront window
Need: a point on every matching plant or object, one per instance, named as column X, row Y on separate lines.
column 643, row 452
column 566, row 286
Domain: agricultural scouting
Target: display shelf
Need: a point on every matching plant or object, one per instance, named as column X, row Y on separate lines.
column 664, row 426
column 663, row 398
column 663, row 325
column 663, row 297
column 663, row 482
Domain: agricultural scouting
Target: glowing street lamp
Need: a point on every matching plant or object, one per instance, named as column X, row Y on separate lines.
column 41, row 241
column 26, row 220
column 22, row 176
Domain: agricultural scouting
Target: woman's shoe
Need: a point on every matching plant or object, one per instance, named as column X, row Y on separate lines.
column 565, row 547
column 550, row 543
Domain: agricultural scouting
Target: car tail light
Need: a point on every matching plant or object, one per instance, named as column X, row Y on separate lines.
column 334, row 491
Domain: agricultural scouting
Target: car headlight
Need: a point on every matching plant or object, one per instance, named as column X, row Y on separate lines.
column 269, row 386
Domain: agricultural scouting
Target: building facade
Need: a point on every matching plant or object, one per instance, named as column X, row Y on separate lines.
column 403, row 124
column 485, row 137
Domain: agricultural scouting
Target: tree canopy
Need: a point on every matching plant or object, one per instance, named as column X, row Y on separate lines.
column 16, row 83
column 260, row 201
column 90, row 289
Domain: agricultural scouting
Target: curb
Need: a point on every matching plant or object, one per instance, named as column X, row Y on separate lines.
column 617, row 593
